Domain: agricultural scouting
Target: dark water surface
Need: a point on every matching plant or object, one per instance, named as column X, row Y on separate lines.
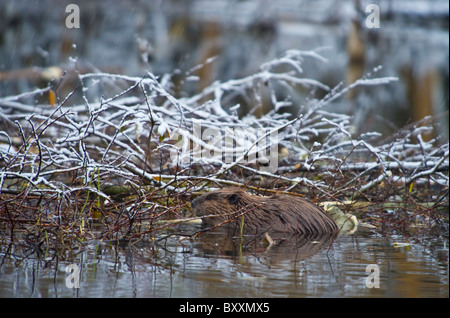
column 217, row 266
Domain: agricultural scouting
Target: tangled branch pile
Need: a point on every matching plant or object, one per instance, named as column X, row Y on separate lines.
column 135, row 150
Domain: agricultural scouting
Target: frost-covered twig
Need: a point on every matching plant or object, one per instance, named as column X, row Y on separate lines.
column 143, row 132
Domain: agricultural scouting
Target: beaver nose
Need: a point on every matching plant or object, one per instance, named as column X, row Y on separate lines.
column 194, row 202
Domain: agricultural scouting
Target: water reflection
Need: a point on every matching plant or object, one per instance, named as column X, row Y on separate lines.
column 218, row 266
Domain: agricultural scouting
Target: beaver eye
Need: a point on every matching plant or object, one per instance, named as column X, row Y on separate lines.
column 233, row 199
column 210, row 197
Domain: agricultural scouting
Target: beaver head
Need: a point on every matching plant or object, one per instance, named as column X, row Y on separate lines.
column 277, row 213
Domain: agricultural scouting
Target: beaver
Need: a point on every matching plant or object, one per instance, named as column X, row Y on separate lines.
column 276, row 213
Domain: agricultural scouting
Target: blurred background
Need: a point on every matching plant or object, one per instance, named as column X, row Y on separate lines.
column 171, row 37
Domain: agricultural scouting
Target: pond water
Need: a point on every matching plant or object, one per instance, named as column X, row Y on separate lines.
column 214, row 265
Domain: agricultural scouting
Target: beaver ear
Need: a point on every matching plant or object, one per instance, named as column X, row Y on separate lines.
column 233, row 198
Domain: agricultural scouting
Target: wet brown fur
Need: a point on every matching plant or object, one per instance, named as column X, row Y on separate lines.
column 277, row 213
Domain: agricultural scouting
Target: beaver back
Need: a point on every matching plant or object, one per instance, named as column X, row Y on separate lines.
column 277, row 213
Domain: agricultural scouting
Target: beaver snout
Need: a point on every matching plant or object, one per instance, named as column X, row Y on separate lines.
column 197, row 206
column 194, row 202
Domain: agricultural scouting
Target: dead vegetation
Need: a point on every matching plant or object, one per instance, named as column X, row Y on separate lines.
column 134, row 153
